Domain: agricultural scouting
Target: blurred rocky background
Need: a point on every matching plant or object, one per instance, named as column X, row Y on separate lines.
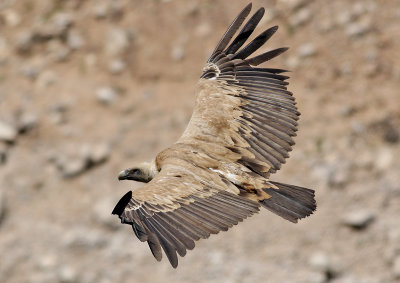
column 87, row 88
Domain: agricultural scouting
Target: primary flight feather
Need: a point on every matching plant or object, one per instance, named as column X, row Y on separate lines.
column 217, row 173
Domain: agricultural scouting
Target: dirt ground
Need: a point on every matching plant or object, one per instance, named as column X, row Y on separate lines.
column 88, row 88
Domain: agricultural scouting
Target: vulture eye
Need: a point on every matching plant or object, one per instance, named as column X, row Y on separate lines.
column 135, row 171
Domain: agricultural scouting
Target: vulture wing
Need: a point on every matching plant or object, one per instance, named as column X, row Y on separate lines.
column 247, row 109
column 182, row 204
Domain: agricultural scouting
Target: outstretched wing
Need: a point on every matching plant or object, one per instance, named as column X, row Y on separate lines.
column 181, row 205
column 248, row 109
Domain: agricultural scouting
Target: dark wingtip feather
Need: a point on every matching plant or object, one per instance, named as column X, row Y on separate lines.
column 245, row 33
column 237, row 22
column 266, row 56
column 122, row 203
column 255, row 44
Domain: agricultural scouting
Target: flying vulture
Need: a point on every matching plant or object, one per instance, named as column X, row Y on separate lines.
column 217, row 173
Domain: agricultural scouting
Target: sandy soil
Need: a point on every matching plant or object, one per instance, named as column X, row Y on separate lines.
column 88, row 88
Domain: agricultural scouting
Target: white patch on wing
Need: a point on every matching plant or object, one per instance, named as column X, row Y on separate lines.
column 230, row 176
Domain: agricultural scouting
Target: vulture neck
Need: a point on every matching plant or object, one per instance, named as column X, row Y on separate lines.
column 151, row 170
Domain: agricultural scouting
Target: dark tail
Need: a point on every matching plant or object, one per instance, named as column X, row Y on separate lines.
column 290, row 202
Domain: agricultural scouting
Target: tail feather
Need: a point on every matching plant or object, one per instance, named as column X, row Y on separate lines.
column 290, row 202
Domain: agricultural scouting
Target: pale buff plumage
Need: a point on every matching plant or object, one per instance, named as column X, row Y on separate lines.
column 217, row 173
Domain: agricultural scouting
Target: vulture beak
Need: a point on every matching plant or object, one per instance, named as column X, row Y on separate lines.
column 123, row 175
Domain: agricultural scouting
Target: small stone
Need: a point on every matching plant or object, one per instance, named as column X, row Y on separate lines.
column 357, row 127
column 58, row 112
column 46, row 79
column 391, row 135
column 293, row 62
column 29, row 71
column 359, row 219
column 116, row 66
column 11, row 18
column 24, row 41
column 301, row 17
column 117, row 42
column 396, row 268
column 307, row 50
column 46, row 261
column 345, row 69
column 371, row 69
column 74, row 39
column 7, row 132
column 57, row 50
column 177, row 53
column 359, row 9
column 320, row 261
column 292, row 4
column 100, row 10
column 347, row 110
column 107, row 95
column 72, row 167
column 203, row 30
column 344, row 17
column 384, row 159
column 27, row 122
column 61, row 22
column 67, row 274
column 339, row 176
column 99, row 153
column 116, row 10
column 358, row 29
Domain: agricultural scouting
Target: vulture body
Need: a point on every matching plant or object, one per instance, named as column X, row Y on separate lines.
column 217, row 173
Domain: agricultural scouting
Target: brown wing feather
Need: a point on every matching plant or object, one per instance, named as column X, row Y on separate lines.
column 180, row 206
column 247, row 109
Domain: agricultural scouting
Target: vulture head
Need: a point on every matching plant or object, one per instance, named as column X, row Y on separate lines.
column 144, row 172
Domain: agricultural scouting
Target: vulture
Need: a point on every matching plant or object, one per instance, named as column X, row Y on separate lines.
column 218, row 172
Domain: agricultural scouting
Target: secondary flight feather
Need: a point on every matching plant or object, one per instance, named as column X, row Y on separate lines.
column 217, row 173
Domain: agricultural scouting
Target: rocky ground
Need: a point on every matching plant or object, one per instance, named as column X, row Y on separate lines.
column 87, row 88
